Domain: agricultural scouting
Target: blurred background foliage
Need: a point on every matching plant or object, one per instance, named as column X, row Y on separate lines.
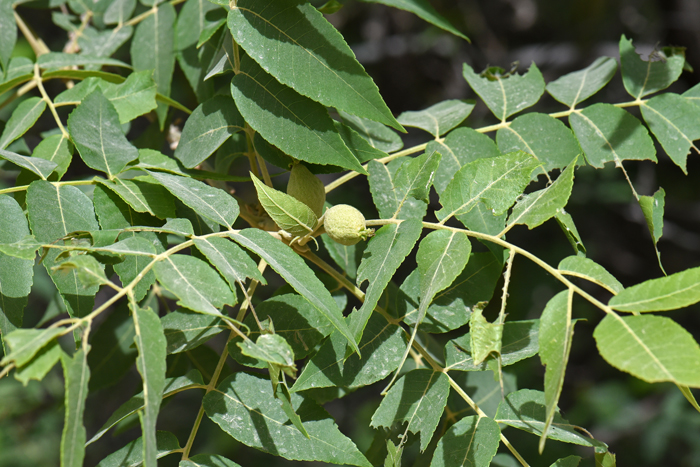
column 415, row 66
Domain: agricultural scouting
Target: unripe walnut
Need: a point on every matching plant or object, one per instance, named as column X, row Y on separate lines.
column 307, row 188
column 346, row 225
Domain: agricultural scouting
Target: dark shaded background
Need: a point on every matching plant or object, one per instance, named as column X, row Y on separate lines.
column 416, row 65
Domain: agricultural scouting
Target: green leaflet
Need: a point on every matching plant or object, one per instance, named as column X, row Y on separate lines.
column 611, row 134
column 535, row 208
column 8, row 34
column 195, row 17
column 525, row 409
column 95, row 130
column 143, row 196
column 458, row 148
column 418, row 399
column 277, row 34
column 297, row 125
column 132, row 453
column 348, row 257
column 150, row 362
column 652, row 348
column 566, row 223
column 473, row 440
column 570, row 461
column 382, row 347
column 193, row 379
column 208, row 460
column 133, row 97
column 497, row 182
column 357, row 144
column 40, row 365
column 197, row 286
column 22, row 119
column 520, row 340
column 653, row 210
column 76, row 373
column 230, row 260
column 376, row 134
column 556, row 334
column 423, row 10
column 294, row 319
column 546, row 138
column 591, row 271
column 119, row 11
column 244, row 406
column 485, row 337
column 103, row 43
column 16, row 274
column 386, row 194
column 666, row 293
column 440, row 118
column 272, row 349
column 576, row 87
column 506, row 93
column 290, row 214
column 89, row 271
column 185, row 330
column 210, row 202
column 53, row 213
column 399, row 194
column 209, row 126
column 152, row 49
column 676, row 124
column 112, row 350
column 23, row 344
column 442, row 255
column 451, row 307
column 484, row 388
column 53, row 60
column 57, row 149
column 36, row 165
column 293, row 269
column 642, row 77
column 383, row 255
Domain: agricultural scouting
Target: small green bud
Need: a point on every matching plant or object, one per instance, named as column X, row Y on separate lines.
column 307, row 188
column 346, row 225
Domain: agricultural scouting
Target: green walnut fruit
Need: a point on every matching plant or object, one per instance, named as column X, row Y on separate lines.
column 346, row 225
column 307, row 188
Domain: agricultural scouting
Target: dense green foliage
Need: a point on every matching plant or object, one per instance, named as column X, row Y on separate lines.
column 172, row 238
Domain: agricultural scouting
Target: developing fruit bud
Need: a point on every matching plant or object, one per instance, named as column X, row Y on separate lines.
column 307, row 188
column 346, row 225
